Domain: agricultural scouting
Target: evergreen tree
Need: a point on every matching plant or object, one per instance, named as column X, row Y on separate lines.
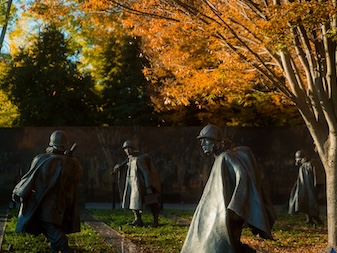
column 46, row 86
column 126, row 100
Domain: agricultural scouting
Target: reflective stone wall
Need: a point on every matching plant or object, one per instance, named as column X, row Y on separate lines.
column 182, row 166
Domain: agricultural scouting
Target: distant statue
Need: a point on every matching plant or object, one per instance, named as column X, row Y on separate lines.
column 139, row 184
column 232, row 198
column 304, row 195
column 47, row 194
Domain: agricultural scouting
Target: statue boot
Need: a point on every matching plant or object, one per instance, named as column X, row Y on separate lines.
column 318, row 220
column 138, row 219
column 155, row 209
column 308, row 220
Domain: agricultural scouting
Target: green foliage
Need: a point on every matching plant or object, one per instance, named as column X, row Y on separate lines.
column 46, row 86
column 126, row 99
column 111, row 57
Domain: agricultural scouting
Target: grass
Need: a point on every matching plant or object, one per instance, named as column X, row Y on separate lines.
column 85, row 241
column 168, row 237
column 290, row 233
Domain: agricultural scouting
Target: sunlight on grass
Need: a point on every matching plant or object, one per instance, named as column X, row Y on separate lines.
column 290, row 234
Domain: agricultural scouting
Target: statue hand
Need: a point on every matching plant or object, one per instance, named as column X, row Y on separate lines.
column 116, row 168
column 149, row 190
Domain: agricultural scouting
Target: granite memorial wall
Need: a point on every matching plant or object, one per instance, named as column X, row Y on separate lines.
column 182, row 166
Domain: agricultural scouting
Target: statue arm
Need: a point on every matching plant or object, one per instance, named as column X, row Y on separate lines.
column 119, row 166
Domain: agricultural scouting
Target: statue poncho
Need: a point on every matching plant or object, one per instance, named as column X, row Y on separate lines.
column 234, row 184
column 137, row 174
column 303, row 197
column 48, row 192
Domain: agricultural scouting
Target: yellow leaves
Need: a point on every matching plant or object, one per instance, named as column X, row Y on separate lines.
column 309, row 14
column 51, row 10
column 97, row 5
column 8, row 111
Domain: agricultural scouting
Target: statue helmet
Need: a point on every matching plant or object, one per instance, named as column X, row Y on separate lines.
column 128, row 144
column 58, row 139
column 300, row 154
column 212, row 132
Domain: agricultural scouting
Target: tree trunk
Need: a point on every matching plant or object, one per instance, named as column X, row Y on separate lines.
column 331, row 192
column 328, row 154
column 330, row 166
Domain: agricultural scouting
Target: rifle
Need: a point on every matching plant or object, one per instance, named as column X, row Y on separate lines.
column 71, row 150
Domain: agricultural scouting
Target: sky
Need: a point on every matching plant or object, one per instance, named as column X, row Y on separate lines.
column 6, row 45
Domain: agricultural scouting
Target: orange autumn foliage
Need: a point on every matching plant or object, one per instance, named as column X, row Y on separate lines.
column 190, row 62
column 196, row 58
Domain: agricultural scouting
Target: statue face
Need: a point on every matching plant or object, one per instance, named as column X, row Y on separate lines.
column 207, row 145
column 128, row 151
column 299, row 158
column 298, row 161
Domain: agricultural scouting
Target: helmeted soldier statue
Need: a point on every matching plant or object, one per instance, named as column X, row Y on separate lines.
column 233, row 196
column 139, row 184
column 304, row 195
column 47, row 194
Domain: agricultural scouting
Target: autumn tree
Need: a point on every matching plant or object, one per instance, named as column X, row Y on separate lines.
column 5, row 17
column 288, row 45
column 180, row 65
column 109, row 53
column 8, row 111
column 46, row 86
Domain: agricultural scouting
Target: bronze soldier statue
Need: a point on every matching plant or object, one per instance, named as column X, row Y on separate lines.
column 232, row 197
column 304, row 195
column 139, row 184
column 47, row 194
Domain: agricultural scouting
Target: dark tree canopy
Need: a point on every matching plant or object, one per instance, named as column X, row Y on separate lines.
column 47, row 87
column 125, row 96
